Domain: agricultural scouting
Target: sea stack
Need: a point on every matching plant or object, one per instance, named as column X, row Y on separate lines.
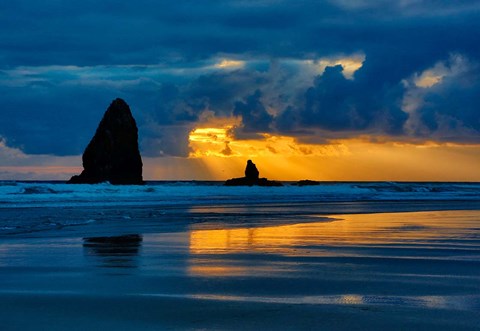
column 113, row 155
column 251, row 171
column 251, row 178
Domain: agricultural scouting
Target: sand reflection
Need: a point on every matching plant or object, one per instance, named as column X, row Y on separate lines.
column 337, row 237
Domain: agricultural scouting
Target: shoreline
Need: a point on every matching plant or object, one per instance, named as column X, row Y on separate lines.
column 85, row 221
column 410, row 270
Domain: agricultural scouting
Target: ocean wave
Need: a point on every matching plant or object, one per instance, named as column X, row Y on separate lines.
column 38, row 190
column 45, row 194
column 420, row 187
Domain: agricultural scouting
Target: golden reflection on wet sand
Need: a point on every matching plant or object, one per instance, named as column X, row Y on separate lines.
column 321, row 238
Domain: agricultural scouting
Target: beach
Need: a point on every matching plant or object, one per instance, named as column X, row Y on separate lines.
column 239, row 165
column 224, row 260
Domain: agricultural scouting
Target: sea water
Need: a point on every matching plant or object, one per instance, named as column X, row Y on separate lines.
column 202, row 256
column 46, row 208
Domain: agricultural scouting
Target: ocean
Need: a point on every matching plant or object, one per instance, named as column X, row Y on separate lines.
column 195, row 255
column 47, row 208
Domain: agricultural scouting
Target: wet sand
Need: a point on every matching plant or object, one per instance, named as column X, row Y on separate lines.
column 395, row 271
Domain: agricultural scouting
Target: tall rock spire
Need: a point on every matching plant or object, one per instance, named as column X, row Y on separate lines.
column 113, row 155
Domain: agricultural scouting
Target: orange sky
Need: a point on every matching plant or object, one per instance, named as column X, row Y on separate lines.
column 217, row 155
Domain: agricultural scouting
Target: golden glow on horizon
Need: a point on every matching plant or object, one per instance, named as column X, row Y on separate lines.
column 223, row 156
column 217, row 155
column 279, row 157
column 221, row 142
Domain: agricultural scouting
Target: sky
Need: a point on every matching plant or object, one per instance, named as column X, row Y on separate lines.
column 325, row 90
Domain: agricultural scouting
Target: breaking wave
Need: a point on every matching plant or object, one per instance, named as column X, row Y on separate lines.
column 43, row 194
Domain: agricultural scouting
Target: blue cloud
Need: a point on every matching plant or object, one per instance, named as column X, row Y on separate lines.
column 63, row 62
column 255, row 117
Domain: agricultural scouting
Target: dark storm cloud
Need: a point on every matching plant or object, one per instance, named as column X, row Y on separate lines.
column 255, row 117
column 144, row 31
column 50, row 116
column 336, row 103
column 158, row 55
column 168, row 122
column 49, row 122
column 109, row 32
column 450, row 110
column 165, row 140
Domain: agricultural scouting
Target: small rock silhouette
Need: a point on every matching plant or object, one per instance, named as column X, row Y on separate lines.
column 251, row 178
column 307, row 182
column 251, row 171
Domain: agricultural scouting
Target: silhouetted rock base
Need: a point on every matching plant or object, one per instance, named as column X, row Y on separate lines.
column 307, row 182
column 244, row 181
column 82, row 179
